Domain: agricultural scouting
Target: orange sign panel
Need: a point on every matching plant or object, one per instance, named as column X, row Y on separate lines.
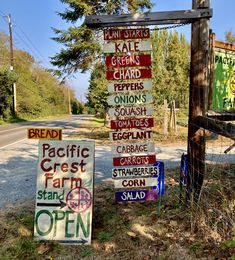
column 45, row 133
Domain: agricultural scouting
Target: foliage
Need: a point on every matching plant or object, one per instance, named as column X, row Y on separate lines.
column 230, row 37
column 98, row 92
column 76, row 107
column 170, row 67
column 82, row 45
column 38, row 91
column 7, row 78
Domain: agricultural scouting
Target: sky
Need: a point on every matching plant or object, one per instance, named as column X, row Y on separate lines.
column 33, row 21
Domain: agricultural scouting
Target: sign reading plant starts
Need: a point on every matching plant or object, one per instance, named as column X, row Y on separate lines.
column 64, row 191
column 128, row 73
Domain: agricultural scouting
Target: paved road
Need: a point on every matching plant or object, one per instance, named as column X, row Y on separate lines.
column 18, row 159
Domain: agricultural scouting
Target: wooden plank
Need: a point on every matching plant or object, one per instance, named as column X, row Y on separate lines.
column 225, row 45
column 134, row 160
column 216, row 126
column 137, row 171
column 128, row 74
column 136, row 195
column 127, row 61
column 134, row 99
column 135, row 183
column 130, row 86
column 131, row 135
column 133, row 148
column 153, row 18
column 132, row 123
column 222, row 116
column 127, row 47
column 125, row 34
column 128, row 112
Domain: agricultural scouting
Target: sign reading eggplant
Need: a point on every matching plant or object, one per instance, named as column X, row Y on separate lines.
column 131, row 135
column 64, row 191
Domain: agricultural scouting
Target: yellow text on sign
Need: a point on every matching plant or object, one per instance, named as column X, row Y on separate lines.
column 45, row 133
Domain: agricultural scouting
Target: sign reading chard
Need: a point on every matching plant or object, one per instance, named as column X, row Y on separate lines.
column 128, row 74
column 64, row 191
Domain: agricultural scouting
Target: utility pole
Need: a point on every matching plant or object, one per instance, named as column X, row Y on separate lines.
column 69, row 104
column 198, row 100
column 12, row 65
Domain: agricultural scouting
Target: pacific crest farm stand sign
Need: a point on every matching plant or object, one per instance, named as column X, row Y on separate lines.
column 64, row 195
column 128, row 64
column 224, row 80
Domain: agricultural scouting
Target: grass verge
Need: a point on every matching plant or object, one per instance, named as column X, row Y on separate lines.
column 125, row 231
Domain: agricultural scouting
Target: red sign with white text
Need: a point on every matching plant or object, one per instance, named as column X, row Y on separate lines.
column 128, row 74
column 134, row 160
column 123, row 34
column 127, row 61
column 132, row 123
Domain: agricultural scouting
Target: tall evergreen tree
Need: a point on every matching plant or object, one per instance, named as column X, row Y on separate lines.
column 82, row 45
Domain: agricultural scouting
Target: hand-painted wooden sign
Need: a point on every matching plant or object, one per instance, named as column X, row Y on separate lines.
column 133, row 99
column 133, row 148
column 120, row 112
column 134, row 160
column 45, row 133
column 127, row 61
column 128, row 74
column 135, row 183
column 64, row 191
column 136, row 195
column 131, row 135
column 130, row 86
column 127, row 47
column 132, row 123
column 124, row 34
column 138, row 171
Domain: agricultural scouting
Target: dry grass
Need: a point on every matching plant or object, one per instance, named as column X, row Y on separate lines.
column 130, row 231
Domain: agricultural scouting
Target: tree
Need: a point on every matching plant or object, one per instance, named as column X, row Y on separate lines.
column 230, row 37
column 170, row 67
column 7, row 79
column 82, row 45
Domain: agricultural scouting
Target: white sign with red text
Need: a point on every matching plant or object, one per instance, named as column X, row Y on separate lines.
column 64, row 192
column 130, row 86
column 125, row 47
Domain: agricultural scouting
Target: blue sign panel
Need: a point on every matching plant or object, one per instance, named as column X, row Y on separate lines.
column 144, row 195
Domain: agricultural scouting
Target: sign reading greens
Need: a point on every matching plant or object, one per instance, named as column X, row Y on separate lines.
column 224, row 80
column 64, row 191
